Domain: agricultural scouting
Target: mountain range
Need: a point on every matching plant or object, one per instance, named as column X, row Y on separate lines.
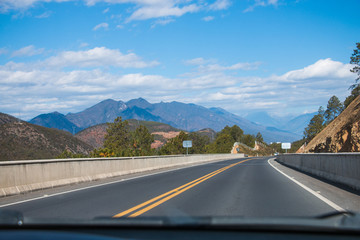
column 189, row 117
column 295, row 125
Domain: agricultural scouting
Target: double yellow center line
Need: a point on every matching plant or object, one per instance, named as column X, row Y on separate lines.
column 150, row 204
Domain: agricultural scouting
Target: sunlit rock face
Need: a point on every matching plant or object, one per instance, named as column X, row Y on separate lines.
column 342, row 134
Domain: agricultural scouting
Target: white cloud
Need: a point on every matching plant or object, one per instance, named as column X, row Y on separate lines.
column 116, row 16
column 208, row 18
column 6, row 5
column 210, row 65
column 292, row 92
column 220, row 5
column 261, row 3
column 161, row 9
column 142, row 10
column 3, row 51
column 198, row 61
column 150, row 9
column 239, row 66
column 92, row 58
column 324, row 68
column 27, row 51
column 34, row 91
column 44, row 15
column 104, row 25
column 30, row 89
column 207, row 81
column 162, row 22
column 96, row 57
column 83, row 44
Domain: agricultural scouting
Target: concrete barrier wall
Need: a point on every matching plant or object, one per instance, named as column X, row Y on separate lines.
column 341, row 168
column 22, row 176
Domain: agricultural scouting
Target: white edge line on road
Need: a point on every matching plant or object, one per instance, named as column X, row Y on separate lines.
column 322, row 198
column 103, row 184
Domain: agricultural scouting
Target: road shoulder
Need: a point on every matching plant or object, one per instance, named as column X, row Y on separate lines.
column 345, row 199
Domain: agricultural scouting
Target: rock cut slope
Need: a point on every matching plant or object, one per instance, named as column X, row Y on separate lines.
column 342, row 134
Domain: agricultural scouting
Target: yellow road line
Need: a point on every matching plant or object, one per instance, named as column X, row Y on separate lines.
column 166, row 196
column 160, row 196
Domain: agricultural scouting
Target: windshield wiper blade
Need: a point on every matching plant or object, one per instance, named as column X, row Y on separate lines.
column 159, row 221
column 335, row 214
column 342, row 219
column 129, row 221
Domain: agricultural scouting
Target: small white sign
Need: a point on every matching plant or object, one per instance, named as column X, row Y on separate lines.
column 187, row 144
column 285, row 145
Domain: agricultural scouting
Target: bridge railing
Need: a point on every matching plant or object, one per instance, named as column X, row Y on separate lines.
column 22, row 176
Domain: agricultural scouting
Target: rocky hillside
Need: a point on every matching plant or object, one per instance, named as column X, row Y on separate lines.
column 5, row 118
column 342, row 134
column 94, row 136
column 21, row 140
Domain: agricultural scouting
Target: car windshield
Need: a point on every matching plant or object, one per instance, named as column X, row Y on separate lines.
column 180, row 112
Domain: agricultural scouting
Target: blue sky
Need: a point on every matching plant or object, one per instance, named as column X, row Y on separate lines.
column 282, row 57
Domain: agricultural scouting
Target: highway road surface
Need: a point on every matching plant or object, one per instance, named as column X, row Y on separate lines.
column 248, row 187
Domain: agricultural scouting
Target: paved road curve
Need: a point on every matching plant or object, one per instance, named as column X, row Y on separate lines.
column 240, row 187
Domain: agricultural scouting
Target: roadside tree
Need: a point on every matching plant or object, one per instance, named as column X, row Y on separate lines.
column 222, row 144
column 259, row 137
column 334, row 108
column 354, row 93
column 355, row 88
column 355, row 60
column 117, row 138
column 141, row 141
column 199, row 143
column 315, row 126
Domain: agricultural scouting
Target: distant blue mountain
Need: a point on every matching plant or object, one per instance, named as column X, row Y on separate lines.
column 189, row 117
column 140, row 103
column 105, row 111
column 263, row 118
column 295, row 125
column 298, row 124
column 55, row 120
column 137, row 113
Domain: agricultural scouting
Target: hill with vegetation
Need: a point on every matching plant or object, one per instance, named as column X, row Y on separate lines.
column 21, row 140
column 340, row 135
column 210, row 133
column 133, row 138
column 162, row 132
column 5, row 118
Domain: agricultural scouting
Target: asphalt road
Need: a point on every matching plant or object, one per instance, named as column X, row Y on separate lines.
column 250, row 188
